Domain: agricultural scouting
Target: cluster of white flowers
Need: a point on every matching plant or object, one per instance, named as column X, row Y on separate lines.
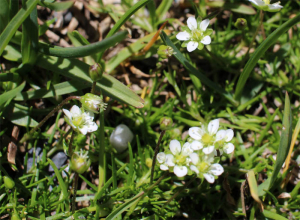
column 200, row 154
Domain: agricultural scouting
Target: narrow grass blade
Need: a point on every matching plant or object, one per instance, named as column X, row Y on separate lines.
column 15, row 23
column 4, row 14
column 13, row 77
column 272, row 215
column 194, row 71
column 78, row 71
column 118, row 212
column 62, row 184
column 72, row 52
column 253, row 188
column 57, row 6
column 11, row 94
column 238, row 8
column 260, row 51
column 162, row 9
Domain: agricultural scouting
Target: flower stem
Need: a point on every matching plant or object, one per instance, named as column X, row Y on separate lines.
column 93, row 91
column 28, row 135
column 102, row 158
column 261, row 15
column 70, row 150
column 180, row 191
column 75, row 184
column 155, row 153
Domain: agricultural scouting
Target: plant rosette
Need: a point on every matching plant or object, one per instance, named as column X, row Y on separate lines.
column 266, row 5
column 195, row 35
column 176, row 159
column 209, row 138
column 80, row 120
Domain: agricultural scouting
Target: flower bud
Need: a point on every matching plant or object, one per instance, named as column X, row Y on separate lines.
column 120, row 137
column 165, row 51
column 80, row 162
column 96, row 72
column 8, row 182
column 149, row 162
column 15, row 216
column 166, row 123
column 92, row 103
column 241, row 23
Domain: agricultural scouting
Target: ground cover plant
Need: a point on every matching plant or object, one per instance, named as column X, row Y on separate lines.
column 149, row 109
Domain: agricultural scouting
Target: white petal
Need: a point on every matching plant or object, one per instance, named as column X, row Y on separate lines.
column 175, row 147
column 163, row 167
column 228, row 148
column 204, row 24
column 83, row 130
column 216, row 169
column 220, row 135
column 191, row 46
column 213, row 126
column 180, row 171
column 209, row 177
column 194, row 168
column 89, row 115
column 196, row 145
column 67, row 113
column 229, row 135
column 92, row 127
column 170, row 160
column 274, row 7
column 196, row 133
column 192, row 23
column 206, row 40
column 183, row 36
column 208, row 150
column 209, row 158
column 257, row 2
column 186, row 149
column 194, row 158
column 75, row 110
column 161, row 157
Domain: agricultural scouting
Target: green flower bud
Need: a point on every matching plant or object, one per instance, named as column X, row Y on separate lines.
column 8, row 182
column 166, row 123
column 15, row 216
column 149, row 162
column 96, row 72
column 241, row 23
column 165, row 51
column 80, row 162
column 92, row 103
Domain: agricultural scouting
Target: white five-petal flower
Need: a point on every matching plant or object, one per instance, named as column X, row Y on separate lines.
column 80, row 120
column 196, row 35
column 204, row 167
column 265, row 5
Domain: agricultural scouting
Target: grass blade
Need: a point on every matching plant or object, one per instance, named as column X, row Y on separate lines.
column 260, row 51
column 57, row 6
column 11, row 94
column 82, row 51
column 15, row 23
column 194, row 71
column 253, row 188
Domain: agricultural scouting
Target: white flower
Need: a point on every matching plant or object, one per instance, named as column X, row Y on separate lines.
column 196, row 35
column 178, row 160
column 80, row 120
column 92, row 103
column 266, row 6
column 208, row 138
column 203, row 167
column 120, row 137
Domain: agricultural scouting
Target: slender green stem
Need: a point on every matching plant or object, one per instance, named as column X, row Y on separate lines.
column 261, row 15
column 75, row 185
column 157, row 182
column 28, row 135
column 93, row 91
column 102, row 158
column 70, row 150
column 179, row 191
column 155, row 153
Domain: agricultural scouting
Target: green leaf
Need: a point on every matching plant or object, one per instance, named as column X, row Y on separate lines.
column 12, row 53
column 72, row 52
column 78, row 71
column 57, row 6
column 122, row 21
column 162, row 9
column 118, row 212
column 283, row 149
column 20, row 117
column 238, row 8
column 15, row 23
column 11, row 94
column 194, row 71
column 253, row 187
column 273, row 215
column 260, row 51
column 14, row 77
column 4, row 14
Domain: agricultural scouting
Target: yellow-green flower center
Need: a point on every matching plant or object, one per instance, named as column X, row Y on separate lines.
column 78, row 121
column 203, row 167
column 180, row 159
column 207, row 139
column 197, row 35
column 267, row 2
